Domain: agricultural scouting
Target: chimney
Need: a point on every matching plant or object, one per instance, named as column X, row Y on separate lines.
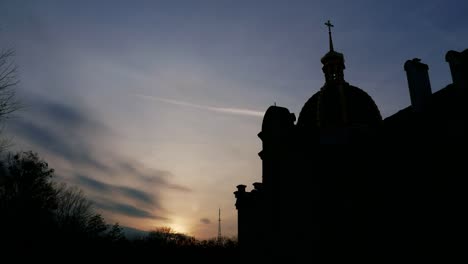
column 258, row 186
column 240, row 195
column 418, row 83
column 241, row 189
column 458, row 62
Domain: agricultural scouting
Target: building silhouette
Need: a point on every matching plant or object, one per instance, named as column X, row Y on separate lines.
column 315, row 204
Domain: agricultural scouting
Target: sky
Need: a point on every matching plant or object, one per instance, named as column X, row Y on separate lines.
column 153, row 107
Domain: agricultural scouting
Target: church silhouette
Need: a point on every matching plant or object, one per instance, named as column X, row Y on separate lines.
column 361, row 203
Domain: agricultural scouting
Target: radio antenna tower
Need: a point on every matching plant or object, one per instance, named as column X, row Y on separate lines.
column 219, row 226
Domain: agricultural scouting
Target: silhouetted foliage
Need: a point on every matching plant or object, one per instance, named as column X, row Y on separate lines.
column 167, row 237
column 116, row 234
column 35, row 208
column 26, row 193
column 39, row 215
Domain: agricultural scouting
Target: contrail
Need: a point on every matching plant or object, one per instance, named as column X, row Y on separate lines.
column 224, row 110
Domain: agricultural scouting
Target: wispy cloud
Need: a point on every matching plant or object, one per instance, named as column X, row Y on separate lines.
column 126, row 209
column 109, row 190
column 223, row 110
column 66, row 131
column 54, row 142
column 151, row 177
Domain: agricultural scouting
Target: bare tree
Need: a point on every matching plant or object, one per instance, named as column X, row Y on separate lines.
column 8, row 81
column 73, row 210
column 75, row 215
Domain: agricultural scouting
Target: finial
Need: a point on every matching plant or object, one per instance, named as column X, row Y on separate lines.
column 330, row 25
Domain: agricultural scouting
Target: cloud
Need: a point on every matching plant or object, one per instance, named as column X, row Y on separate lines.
column 37, row 134
column 126, row 209
column 223, row 110
column 138, row 195
column 54, row 142
column 69, row 133
column 109, row 189
column 66, row 115
column 151, row 177
column 94, row 184
column 205, row 221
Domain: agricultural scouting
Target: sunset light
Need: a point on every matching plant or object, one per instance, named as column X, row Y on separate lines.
column 140, row 130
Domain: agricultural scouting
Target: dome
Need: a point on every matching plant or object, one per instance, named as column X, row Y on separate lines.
column 277, row 117
column 333, row 106
column 333, row 57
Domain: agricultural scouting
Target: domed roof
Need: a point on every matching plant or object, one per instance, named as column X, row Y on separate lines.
column 277, row 117
column 333, row 57
column 334, row 106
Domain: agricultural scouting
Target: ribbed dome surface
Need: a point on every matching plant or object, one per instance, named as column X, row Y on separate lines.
column 325, row 108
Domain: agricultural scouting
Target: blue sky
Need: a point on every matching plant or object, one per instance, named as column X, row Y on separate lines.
column 152, row 107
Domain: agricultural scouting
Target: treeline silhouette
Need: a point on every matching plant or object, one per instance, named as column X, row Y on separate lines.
column 41, row 217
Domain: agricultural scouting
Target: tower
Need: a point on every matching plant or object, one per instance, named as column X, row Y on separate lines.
column 219, row 226
column 338, row 112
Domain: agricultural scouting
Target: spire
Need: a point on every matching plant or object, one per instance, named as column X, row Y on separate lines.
column 330, row 25
column 219, row 227
column 333, row 62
